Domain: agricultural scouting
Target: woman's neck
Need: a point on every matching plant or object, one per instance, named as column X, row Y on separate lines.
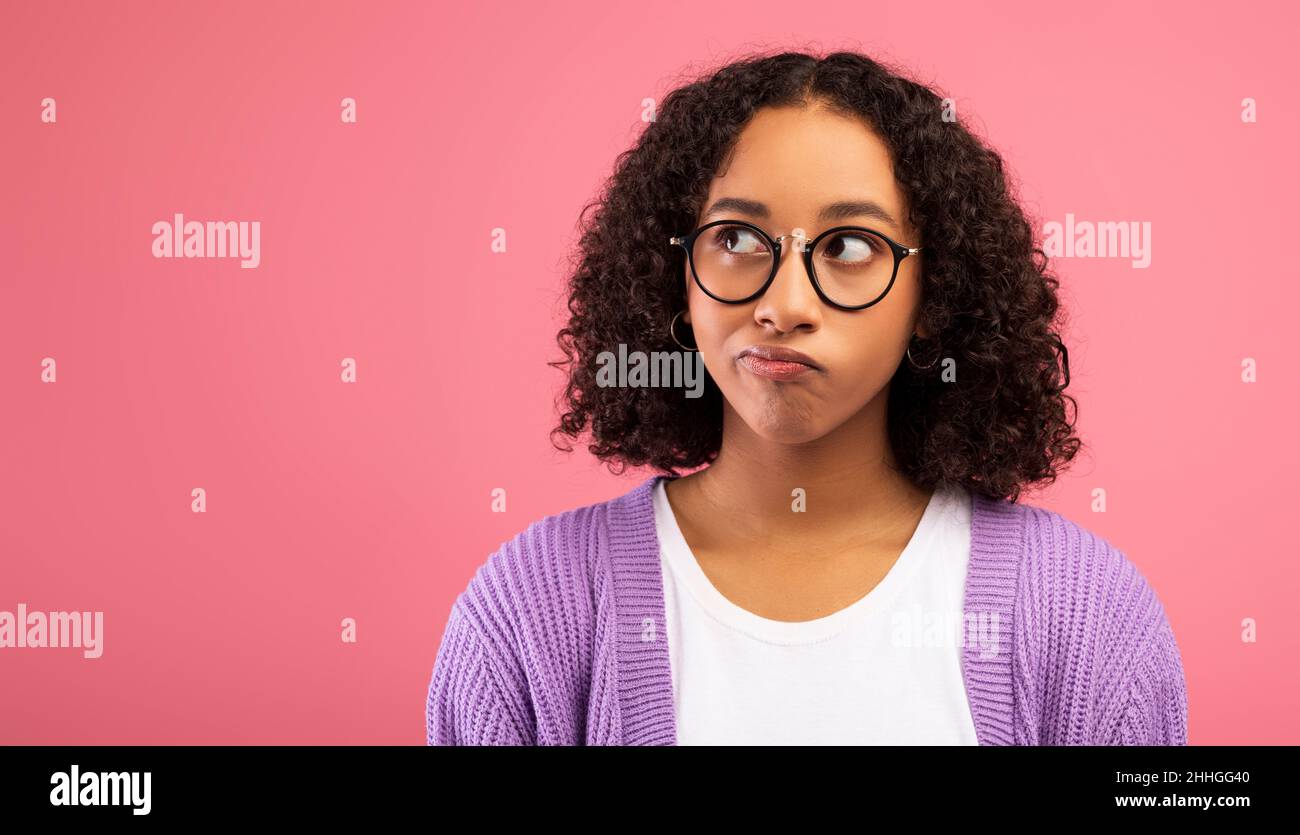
column 850, row 489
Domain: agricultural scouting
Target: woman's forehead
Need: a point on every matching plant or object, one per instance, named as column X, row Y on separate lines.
column 798, row 160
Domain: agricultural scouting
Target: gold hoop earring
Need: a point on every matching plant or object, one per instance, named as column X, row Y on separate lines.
column 672, row 331
column 913, row 362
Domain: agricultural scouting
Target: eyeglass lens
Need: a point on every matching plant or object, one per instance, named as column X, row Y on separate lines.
column 853, row 267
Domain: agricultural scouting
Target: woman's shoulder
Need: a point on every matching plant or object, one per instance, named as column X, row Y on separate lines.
column 1089, row 620
column 554, row 568
column 1061, row 559
column 1072, row 589
column 530, row 628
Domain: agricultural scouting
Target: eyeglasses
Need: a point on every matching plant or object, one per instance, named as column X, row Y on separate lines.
column 850, row 267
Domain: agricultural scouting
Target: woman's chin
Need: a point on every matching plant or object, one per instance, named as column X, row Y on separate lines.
column 785, row 423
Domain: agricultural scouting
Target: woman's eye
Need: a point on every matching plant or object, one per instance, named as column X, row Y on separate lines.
column 740, row 241
column 852, row 249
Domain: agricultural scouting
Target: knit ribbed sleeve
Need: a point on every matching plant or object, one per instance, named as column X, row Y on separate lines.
column 1155, row 708
column 1153, row 701
column 470, row 700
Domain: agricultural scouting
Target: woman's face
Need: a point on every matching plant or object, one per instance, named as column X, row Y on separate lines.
column 795, row 162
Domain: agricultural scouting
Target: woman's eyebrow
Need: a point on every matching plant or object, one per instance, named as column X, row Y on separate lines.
column 834, row 211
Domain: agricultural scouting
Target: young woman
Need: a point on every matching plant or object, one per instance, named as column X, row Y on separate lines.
column 848, row 561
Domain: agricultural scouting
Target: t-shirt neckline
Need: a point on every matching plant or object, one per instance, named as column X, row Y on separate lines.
column 678, row 558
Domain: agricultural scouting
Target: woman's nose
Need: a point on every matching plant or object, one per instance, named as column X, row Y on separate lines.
column 790, row 300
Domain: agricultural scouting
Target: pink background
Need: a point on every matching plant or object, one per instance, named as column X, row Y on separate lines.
column 372, row 500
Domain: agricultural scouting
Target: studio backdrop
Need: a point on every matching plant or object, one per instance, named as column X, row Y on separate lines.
column 280, row 282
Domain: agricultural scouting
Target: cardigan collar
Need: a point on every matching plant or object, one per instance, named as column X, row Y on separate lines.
column 645, row 693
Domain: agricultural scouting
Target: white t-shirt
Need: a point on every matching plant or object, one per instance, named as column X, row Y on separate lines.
column 885, row 670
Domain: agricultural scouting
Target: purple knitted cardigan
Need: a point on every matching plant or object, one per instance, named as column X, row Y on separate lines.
column 559, row 638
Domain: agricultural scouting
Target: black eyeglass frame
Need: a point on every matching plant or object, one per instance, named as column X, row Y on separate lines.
column 687, row 242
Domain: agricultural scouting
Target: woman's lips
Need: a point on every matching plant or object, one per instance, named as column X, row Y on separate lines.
column 775, row 369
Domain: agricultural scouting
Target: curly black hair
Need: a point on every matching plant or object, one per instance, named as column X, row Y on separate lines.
column 988, row 299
